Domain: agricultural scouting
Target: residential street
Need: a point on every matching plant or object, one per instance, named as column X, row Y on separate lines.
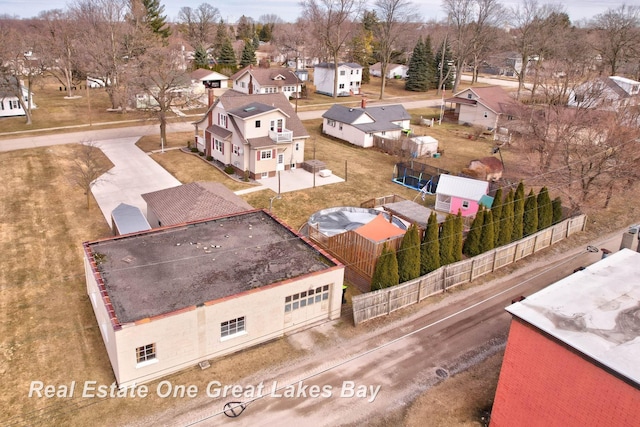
column 405, row 357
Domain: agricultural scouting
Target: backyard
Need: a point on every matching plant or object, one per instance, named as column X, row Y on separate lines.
column 48, row 332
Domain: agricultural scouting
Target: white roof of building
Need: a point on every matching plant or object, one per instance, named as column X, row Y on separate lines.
column 595, row 311
column 464, row 188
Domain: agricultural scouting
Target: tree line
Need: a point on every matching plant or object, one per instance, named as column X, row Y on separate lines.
column 510, row 218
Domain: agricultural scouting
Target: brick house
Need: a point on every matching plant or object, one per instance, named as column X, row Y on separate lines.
column 573, row 349
column 170, row 298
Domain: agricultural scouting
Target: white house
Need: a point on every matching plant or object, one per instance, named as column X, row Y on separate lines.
column 170, row 298
column 258, row 134
column 606, row 93
column 202, row 79
column 10, row 104
column 359, row 125
column 488, row 107
column 349, row 78
column 252, row 80
column 393, row 70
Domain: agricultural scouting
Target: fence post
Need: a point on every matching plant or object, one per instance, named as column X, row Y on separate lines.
column 419, row 289
column 495, row 257
column 473, row 266
column 444, row 278
column 388, row 301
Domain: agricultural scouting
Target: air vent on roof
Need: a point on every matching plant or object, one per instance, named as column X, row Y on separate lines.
column 249, row 109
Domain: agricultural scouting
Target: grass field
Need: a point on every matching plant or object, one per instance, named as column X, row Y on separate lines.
column 48, row 331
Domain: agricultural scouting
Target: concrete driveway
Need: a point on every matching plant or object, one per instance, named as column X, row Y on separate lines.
column 134, row 173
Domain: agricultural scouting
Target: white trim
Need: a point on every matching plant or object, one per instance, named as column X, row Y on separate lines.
column 236, row 335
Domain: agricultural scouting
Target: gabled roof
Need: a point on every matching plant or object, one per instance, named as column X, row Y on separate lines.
column 330, row 65
column 252, row 109
column 378, row 66
column 495, row 98
column 232, row 100
column 269, row 76
column 129, row 219
column 382, row 116
column 463, row 188
column 194, row 201
column 379, row 229
column 202, row 74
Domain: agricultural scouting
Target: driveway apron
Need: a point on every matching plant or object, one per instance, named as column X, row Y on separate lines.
column 134, row 173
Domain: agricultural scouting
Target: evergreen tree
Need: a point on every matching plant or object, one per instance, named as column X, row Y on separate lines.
column 458, row 229
column 244, row 29
column 545, row 209
column 418, row 72
column 409, row 255
column 248, row 55
column 155, row 19
column 446, row 241
column 430, row 250
column 222, row 36
column 530, row 217
column 496, row 211
column 200, row 58
column 557, row 210
column 227, row 56
column 487, row 241
column 255, row 42
column 506, row 220
column 385, row 273
column 471, row 245
column 518, row 213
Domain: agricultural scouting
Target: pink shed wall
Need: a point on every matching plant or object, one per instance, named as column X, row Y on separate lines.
column 456, row 203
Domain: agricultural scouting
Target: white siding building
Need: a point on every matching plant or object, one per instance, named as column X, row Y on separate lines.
column 349, row 78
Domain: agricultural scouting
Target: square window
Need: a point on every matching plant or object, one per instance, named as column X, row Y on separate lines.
column 310, row 300
column 303, row 294
column 325, row 288
column 287, row 299
column 303, row 303
column 310, row 291
column 232, row 327
column 296, row 296
column 325, row 296
column 287, row 308
column 295, row 305
column 465, row 204
column 318, row 298
column 146, row 353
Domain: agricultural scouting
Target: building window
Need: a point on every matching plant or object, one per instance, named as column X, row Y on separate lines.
column 277, row 125
column 469, row 96
column 331, row 123
column 342, row 73
column 232, row 327
column 242, row 85
column 340, row 126
column 219, row 146
column 465, row 204
column 264, row 175
column 486, row 114
column 236, row 150
column 303, row 299
column 265, row 155
column 146, row 353
column 297, row 146
column 222, row 120
column 257, row 123
column 341, row 86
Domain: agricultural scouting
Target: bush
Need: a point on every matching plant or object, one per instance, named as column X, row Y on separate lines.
column 194, row 149
column 229, row 170
column 209, row 158
column 201, row 153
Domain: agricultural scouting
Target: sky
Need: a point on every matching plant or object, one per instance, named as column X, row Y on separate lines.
column 289, row 10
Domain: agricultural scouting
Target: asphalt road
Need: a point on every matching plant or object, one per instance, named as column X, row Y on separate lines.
column 404, row 359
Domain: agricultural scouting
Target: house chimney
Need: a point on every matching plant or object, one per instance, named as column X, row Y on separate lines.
column 363, row 103
column 210, row 97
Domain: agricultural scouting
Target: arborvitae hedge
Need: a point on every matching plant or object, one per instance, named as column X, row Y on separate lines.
column 471, row 245
column 409, row 255
column 530, row 217
column 496, row 213
column 458, row 229
column 506, row 220
column 430, row 251
column 446, row 241
column 518, row 213
column 385, row 273
column 487, row 241
column 556, row 205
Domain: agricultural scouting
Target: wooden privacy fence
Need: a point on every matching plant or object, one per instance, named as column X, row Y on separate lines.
column 384, row 301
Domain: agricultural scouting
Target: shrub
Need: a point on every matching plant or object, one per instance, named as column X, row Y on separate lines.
column 430, row 250
column 409, row 255
column 385, row 273
column 229, row 170
column 209, row 158
column 201, row 153
column 194, row 149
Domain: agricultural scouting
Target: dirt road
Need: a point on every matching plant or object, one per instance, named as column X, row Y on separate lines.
column 353, row 381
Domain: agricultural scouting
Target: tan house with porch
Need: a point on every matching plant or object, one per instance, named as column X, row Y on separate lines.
column 488, row 107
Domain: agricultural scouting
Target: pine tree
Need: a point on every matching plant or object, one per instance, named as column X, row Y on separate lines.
column 557, row 210
column 227, row 56
column 471, row 245
column 496, row 210
column 458, row 229
column 155, row 19
column 487, row 241
column 222, row 36
column 506, row 220
column 530, row 217
column 430, row 250
column 518, row 212
column 545, row 209
column 385, row 273
column 446, row 241
column 409, row 255
column 248, row 55
column 200, row 58
column 418, row 72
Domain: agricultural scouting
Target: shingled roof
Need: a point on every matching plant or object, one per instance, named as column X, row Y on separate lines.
column 194, row 201
column 495, row 98
column 269, row 76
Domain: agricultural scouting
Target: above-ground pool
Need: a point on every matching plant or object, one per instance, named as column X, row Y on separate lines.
column 332, row 221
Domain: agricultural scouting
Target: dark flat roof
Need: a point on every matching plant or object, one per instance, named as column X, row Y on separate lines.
column 162, row 271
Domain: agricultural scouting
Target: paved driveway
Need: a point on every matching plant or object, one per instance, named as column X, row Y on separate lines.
column 134, row 173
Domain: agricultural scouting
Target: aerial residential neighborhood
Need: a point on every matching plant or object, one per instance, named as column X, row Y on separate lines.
column 319, row 215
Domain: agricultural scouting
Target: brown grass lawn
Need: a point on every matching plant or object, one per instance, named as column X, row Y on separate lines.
column 48, row 331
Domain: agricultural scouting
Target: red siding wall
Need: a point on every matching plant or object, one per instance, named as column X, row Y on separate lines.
column 542, row 383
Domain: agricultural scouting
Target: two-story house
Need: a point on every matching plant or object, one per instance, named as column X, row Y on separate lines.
column 349, row 78
column 252, row 80
column 606, row 93
column 256, row 134
column 10, row 104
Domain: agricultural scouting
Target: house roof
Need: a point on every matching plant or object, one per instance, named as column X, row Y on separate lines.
column 493, row 164
column 252, row 109
column 233, row 100
column 495, row 98
column 595, row 311
column 193, row 202
column 202, row 74
column 330, row 65
column 269, row 76
column 219, row 131
column 412, row 212
column 378, row 66
column 170, row 269
column 382, row 116
column 129, row 219
column 379, row 229
column 463, row 188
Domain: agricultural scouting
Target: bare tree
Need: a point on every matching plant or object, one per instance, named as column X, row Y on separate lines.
column 617, row 35
column 199, row 25
column 291, row 40
column 485, row 30
column 331, row 23
column 394, row 17
column 89, row 168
